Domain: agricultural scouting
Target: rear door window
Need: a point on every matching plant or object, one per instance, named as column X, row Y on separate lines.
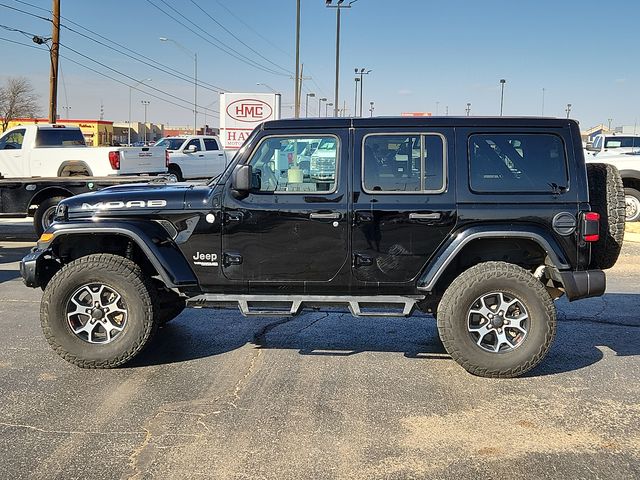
column 210, row 144
column 403, row 163
column 517, row 162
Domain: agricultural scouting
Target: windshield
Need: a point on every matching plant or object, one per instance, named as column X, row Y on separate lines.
column 170, row 143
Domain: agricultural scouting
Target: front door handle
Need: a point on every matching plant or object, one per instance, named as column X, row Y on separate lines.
column 425, row 216
column 325, row 216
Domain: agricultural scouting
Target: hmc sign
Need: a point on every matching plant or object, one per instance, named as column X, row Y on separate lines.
column 240, row 113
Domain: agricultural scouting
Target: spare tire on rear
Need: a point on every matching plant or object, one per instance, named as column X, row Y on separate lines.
column 606, row 196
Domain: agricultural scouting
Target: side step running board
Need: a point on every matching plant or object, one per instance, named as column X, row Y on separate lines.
column 289, row 305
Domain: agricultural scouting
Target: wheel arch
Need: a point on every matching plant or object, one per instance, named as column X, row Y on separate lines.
column 49, row 192
column 148, row 244
column 468, row 248
column 74, row 165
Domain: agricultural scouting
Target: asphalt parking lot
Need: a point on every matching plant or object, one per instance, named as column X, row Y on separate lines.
column 323, row 395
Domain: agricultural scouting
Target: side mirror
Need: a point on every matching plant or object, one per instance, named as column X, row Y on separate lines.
column 190, row 149
column 242, row 178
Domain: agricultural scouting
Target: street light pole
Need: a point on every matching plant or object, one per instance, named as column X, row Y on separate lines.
column 326, row 109
column 362, row 73
column 145, row 104
column 355, row 98
column 371, row 109
column 568, row 110
column 268, row 86
column 131, row 87
column 195, row 78
column 338, row 6
column 502, row 82
column 306, row 104
column 320, row 100
column 296, row 90
column 468, row 109
column 543, row 90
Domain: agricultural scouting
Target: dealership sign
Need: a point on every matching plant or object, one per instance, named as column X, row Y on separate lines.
column 240, row 113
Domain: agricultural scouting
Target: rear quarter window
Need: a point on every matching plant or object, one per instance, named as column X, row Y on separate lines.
column 59, row 137
column 517, row 162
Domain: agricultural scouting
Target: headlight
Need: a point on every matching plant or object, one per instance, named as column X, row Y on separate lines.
column 62, row 213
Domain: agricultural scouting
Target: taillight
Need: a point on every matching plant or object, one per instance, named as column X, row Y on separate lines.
column 591, row 227
column 114, row 160
column 166, row 158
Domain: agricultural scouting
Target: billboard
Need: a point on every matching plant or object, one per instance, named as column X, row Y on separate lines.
column 240, row 113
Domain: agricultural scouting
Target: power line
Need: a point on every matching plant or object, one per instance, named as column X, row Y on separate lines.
column 103, row 74
column 156, row 66
column 120, row 73
column 221, row 45
column 238, row 39
column 150, row 61
column 25, row 12
column 253, row 30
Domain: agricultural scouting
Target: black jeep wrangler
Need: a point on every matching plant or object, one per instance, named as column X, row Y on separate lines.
column 482, row 222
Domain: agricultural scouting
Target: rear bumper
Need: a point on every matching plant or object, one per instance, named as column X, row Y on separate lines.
column 583, row 284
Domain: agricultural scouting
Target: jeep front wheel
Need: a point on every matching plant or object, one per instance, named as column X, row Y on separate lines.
column 497, row 320
column 97, row 312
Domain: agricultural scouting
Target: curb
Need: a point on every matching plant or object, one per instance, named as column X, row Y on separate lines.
column 631, row 237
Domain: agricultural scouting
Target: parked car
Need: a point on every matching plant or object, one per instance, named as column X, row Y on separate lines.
column 628, row 164
column 61, row 151
column 613, row 144
column 497, row 219
column 194, row 156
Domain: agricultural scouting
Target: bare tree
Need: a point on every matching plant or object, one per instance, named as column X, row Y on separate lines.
column 17, row 100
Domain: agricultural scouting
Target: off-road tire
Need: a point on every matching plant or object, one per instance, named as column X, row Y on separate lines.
column 44, row 211
column 480, row 280
column 606, row 196
column 112, row 270
column 173, row 169
column 631, row 194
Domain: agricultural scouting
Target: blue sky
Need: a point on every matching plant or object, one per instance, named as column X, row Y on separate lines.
column 424, row 55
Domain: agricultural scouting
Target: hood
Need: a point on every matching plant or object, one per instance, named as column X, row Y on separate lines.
column 131, row 199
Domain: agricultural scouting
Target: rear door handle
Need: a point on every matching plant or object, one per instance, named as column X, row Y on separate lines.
column 425, row 216
column 325, row 216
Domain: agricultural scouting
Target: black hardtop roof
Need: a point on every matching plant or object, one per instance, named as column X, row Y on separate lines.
column 377, row 122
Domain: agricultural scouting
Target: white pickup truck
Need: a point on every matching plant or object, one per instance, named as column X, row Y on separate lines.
column 628, row 164
column 612, row 144
column 194, row 156
column 60, row 151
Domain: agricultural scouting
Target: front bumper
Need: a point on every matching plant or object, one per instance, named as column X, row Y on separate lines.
column 31, row 268
column 582, row 284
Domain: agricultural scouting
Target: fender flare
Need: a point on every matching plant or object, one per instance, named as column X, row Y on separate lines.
column 74, row 163
column 151, row 238
column 449, row 251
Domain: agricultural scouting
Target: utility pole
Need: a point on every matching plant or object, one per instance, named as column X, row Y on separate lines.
column 55, row 51
column 296, row 95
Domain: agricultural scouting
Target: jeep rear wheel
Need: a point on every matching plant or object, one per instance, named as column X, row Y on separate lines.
column 96, row 312
column 607, row 197
column 497, row 320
